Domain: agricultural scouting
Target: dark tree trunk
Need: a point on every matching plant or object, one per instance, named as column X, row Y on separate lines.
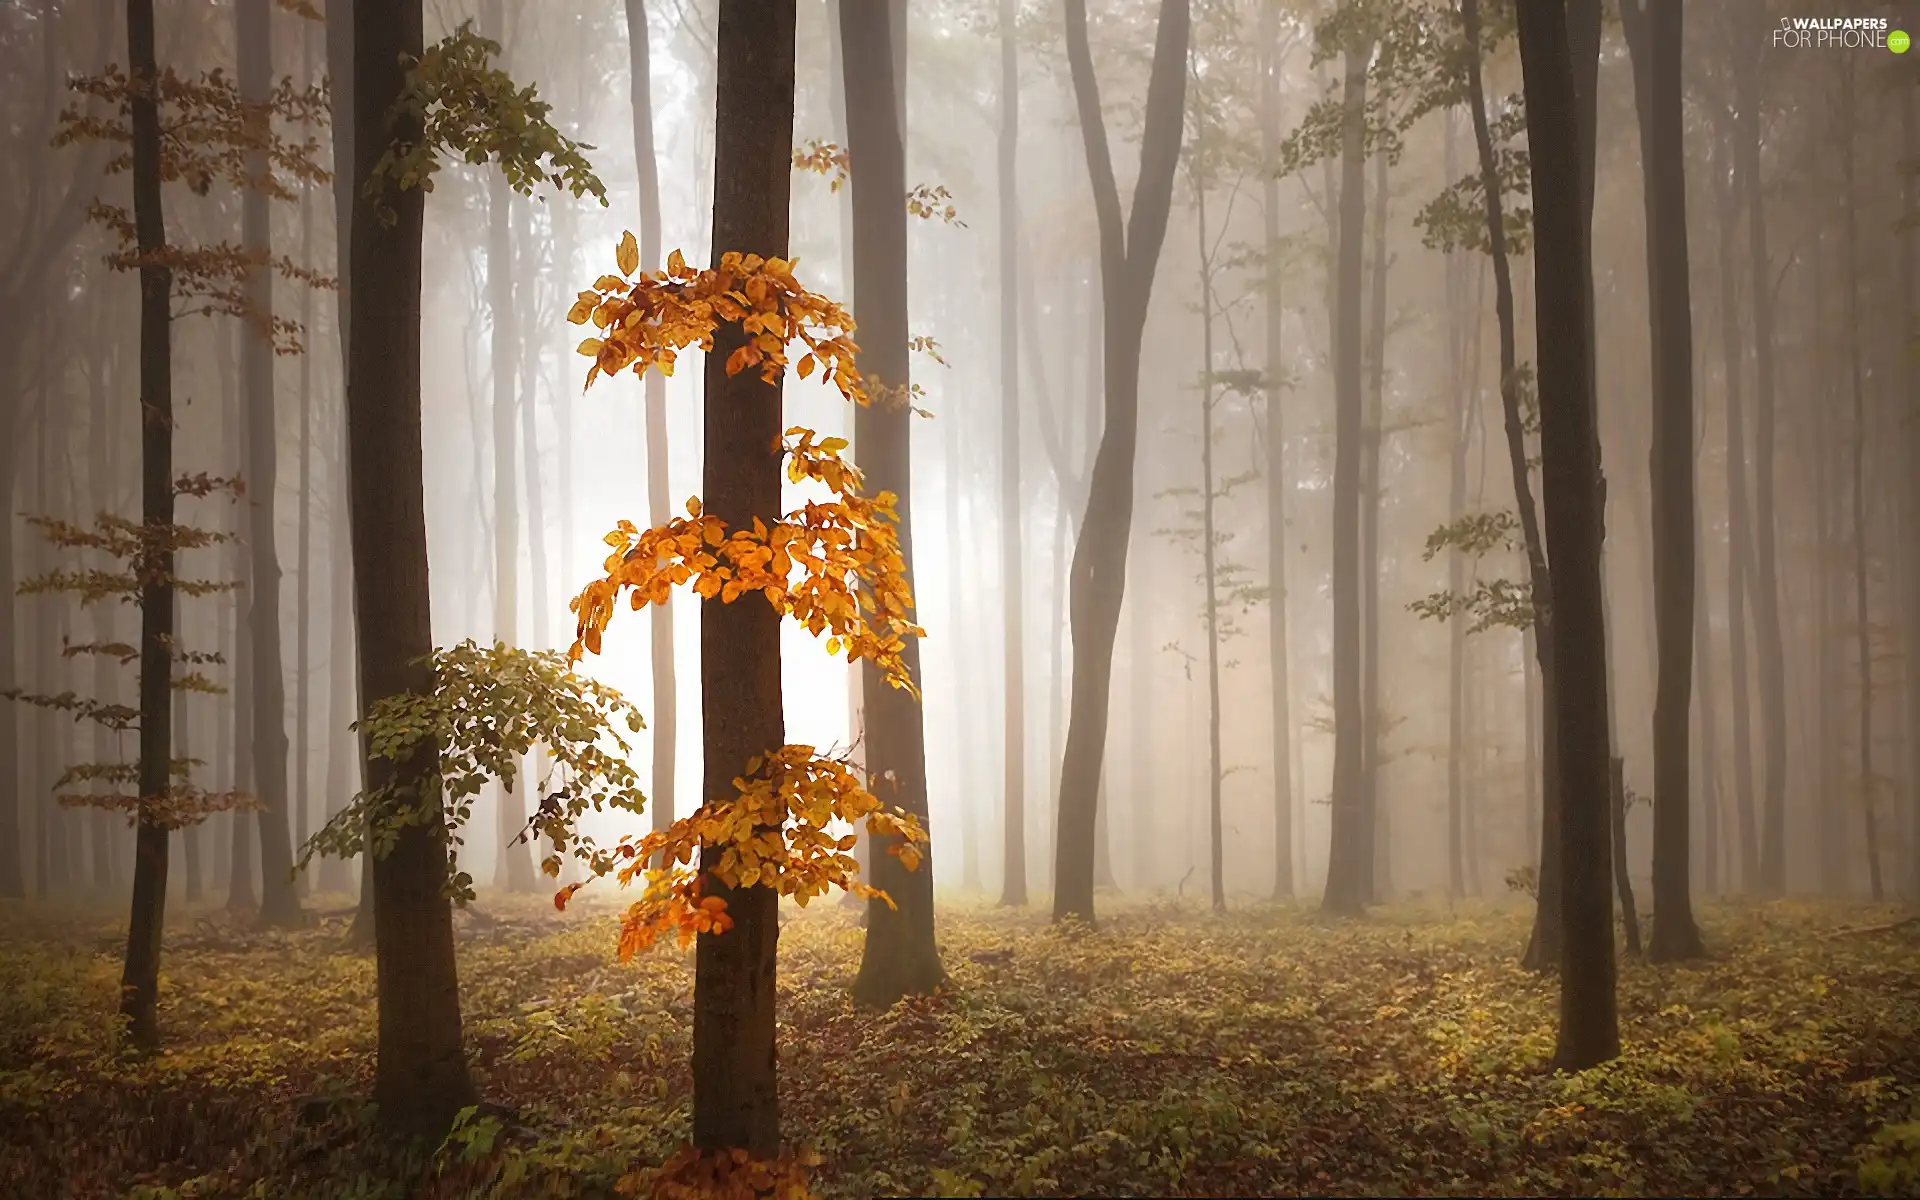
column 420, row 1076
column 1770, row 655
column 1654, row 41
column 1279, row 677
column 899, row 958
column 1543, row 944
column 1013, row 886
column 735, row 1103
column 1622, row 881
column 1910, row 386
column 1574, row 501
column 1350, row 850
column 665, row 714
column 140, row 981
column 1128, row 255
column 278, row 904
column 1862, row 628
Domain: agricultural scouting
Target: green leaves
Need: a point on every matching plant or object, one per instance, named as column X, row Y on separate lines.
column 489, row 708
column 473, row 111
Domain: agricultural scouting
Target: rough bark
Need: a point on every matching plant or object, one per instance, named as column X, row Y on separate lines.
column 899, row 957
column 140, row 980
column 1654, row 41
column 1128, row 255
column 664, row 718
column 735, row 1103
column 1350, row 850
column 420, row 1074
column 1573, row 494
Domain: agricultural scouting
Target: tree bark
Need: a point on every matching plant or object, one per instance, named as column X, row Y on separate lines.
column 243, row 896
column 1128, row 255
column 735, row 1102
column 1379, row 882
column 279, row 906
column 1622, row 881
column 140, row 980
column 1458, row 349
column 1279, row 667
column 1013, row 886
column 1573, row 491
column 899, row 957
column 420, row 1075
column 665, row 714
column 1350, row 849
column 1216, row 833
column 1910, row 386
column 1770, row 656
column 303, row 551
column 1654, row 42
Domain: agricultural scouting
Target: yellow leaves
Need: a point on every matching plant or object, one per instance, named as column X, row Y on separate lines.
column 589, row 347
column 722, row 1175
column 677, row 266
column 627, row 254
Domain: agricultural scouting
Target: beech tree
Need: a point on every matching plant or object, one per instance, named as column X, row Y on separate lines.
column 1129, row 252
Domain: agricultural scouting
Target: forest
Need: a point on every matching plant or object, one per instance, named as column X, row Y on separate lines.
column 850, row 598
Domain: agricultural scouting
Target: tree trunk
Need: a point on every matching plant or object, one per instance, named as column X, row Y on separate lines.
column 958, row 569
column 140, row 981
column 1379, row 881
column 279, row 906
column 243, row 898
column 1543, row 944
column 1573, row 492
column 420, row 1075
column 665, row 714
column 1216, row 834
column 1350, row 849
column 1654, row 41
column 1770, row 655
column 1706, row 750
column 1128, row 255
column 1141, row 728
column 735, row 1101
column 303, row 597
column 1013, row 886
column 899, row 957
column 1622, row 880
column 1458, row 350
column 1910, row 385
column 1279, row 668
column 1863, row 629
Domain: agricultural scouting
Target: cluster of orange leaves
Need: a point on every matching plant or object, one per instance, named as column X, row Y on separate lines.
column 645, row 320
column 774, row 831
column 722, row 1175
column 835, row 566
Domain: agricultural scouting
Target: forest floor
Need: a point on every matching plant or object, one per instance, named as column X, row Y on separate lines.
column 1170, row 1052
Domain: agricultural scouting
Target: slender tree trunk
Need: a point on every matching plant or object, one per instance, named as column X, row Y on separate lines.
column 103, row 481
column 140, row 981
column 303, row 597
column 1377, row 868
column 735, row 1101
column 899, row 958
column 1141, row 729
column 1707, row 748
column 1209, row 578
column 1622, row 881
column 1013, row 887
column 1543, row 944
column 278, row 903
column 957, row 571
column 1350, row 851
column 1910, row 386
column 1770, row 655
column 1128, row 255
column 1279, row 648
column 1458, row 349
column 1863, row 628
column 665, row 715
column 1574, row 501
column 420, row 1075
column 243, row 897
column 1654, row 40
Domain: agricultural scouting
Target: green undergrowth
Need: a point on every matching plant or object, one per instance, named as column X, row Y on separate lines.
column 1167, row 1052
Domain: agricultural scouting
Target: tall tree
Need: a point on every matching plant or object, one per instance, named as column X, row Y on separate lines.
column 900, row 957
column 735, row 1102
column 140, row 981
column 1279, row 672
column 420, row 1075
column 1376, row 865
column 1013, row 886
column 278, row 903
column 1129, row 252
column 665, row 714
column 1654, row 42
column 1770, row 655
column 1350, row 849
column 1573, row 493
column 1910, row 386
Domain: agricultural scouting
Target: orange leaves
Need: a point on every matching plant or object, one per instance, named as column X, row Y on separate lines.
column 645, row 320
column 824, row 158
column 722, row 1175
column 776, row 831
